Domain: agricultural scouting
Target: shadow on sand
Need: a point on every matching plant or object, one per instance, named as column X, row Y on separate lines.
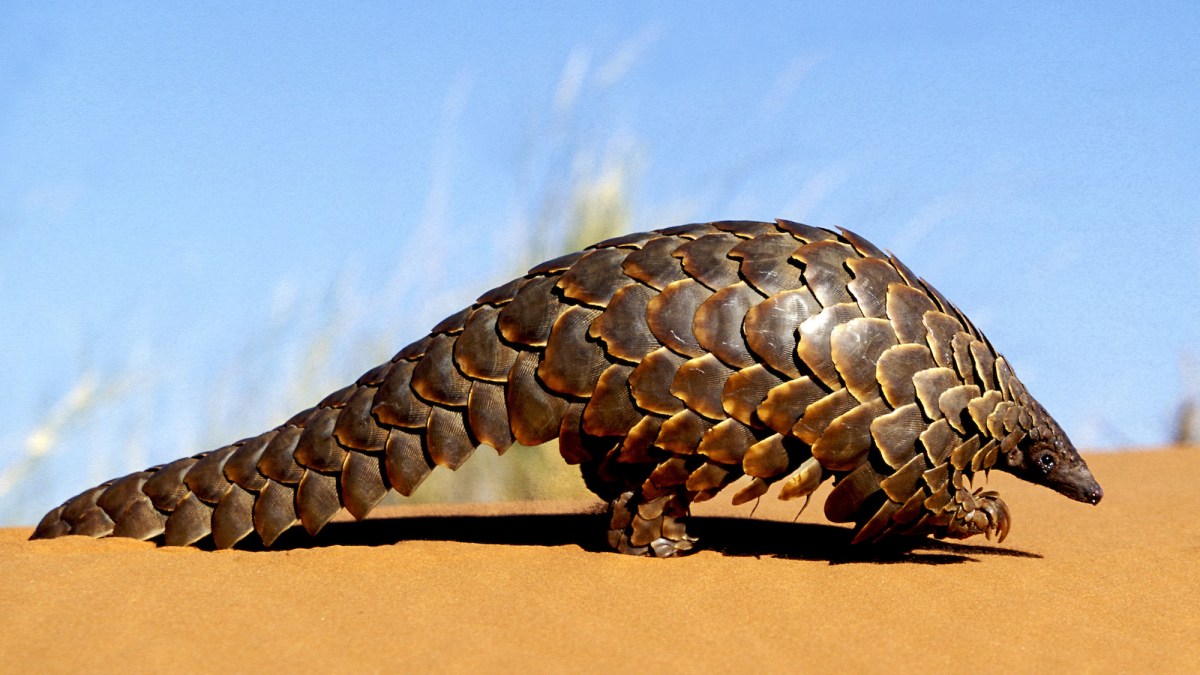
column 730, row 536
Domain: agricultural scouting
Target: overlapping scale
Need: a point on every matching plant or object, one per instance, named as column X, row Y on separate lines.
column 851, row 492
column 805, row 233
column 746, row 390
column 316, row 448
column 681, row 433
column 815, row 347
column 718, row 324
column 787, row 403
column 872, row 277
column 446, row 438
column 855, row 348
column 706, row 259
column 671, row 313
column 654, row 265
column 317, row 500
column 595, row 277
column 650, row 383
column 699, row 383
column 824, row 265
column 435, row 378
column 528, row 318
column 726, row 442
column 356, row 428
column 611, row 411
column 771, row 328
column 572, row 363
column 206, row 479
column 845, row 443
column 487, row 415
column 895, row 371
column 407, row 463
column 363, row 483
column 766, row 265
column 479, row 353
column 623, row 328
column 906, row 309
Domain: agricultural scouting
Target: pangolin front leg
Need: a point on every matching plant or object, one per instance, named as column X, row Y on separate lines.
column 668, row 364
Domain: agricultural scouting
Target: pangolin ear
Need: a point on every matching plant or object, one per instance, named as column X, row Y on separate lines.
column 1014, row 457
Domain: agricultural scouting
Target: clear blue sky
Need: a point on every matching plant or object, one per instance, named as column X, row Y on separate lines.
column 168, row 173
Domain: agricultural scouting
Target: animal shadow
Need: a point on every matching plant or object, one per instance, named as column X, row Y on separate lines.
column 729, row 536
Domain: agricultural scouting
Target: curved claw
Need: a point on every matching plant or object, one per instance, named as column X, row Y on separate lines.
column 999, row 518
column 980, row 513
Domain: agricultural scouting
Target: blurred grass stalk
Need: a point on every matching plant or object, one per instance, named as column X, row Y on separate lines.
column 1187, row 419
column 577, row 191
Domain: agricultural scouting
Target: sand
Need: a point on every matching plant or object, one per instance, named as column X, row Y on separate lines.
column 521, row 587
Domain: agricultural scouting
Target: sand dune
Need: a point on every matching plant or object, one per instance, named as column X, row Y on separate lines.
column 520, row 586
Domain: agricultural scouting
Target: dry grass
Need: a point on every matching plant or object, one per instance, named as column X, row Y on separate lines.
column 110, row 423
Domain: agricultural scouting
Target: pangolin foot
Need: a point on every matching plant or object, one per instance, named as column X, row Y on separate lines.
column 980, row 513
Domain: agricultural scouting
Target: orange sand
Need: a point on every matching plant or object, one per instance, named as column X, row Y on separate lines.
column 1079, row 588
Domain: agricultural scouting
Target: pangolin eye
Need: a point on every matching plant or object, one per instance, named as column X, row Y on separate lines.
column 1046, row 461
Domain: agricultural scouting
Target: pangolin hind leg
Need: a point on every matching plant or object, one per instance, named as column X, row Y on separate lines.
column 649, row 527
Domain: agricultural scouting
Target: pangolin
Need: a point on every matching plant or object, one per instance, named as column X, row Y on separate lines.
column 668, row 364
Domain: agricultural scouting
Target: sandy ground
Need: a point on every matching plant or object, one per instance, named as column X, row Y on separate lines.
column 529, row 587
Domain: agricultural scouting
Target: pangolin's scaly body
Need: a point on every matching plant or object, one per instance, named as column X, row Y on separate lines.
column 668, row 364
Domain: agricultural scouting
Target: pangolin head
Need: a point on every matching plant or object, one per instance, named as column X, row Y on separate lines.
column 1047, row 457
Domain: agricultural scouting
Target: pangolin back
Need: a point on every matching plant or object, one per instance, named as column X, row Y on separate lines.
column 668, row 364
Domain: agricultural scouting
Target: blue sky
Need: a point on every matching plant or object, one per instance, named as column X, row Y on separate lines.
column 172, row 179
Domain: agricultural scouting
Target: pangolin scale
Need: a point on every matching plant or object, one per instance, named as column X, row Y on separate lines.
column 668, row 364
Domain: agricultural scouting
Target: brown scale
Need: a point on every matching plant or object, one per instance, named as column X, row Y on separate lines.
column 654, row 265
column 595, row 277
column 572, row 363
column 772, row 326
column 316, row 448
column 363, row 483
column 872, row 277
column 907, row 308
column 634, row 240
column 707, row 260
column 611, row 411
column 699, row 383
column 745, row 391
column 765, row 263
column 786, row 403
column 815, row 347
column 668, row 365
column 317, row 500
column 681, row 433
column 528, row 318
column 479, row 353
column 718, row 324
column 623, row 328
column 746, row 229
column 650, row 383
column 670, row 316
column 825, row 271
column 435, row 378
column 855, row 347
column 395, row 404
column 534, row 413
column 356, row 428
column 895, row 370
column 487, row 415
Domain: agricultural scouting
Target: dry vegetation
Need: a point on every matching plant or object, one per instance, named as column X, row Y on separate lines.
column 109, row 422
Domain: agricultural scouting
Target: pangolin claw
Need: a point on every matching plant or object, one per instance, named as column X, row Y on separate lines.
column 998, row 515
column 981, row 513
